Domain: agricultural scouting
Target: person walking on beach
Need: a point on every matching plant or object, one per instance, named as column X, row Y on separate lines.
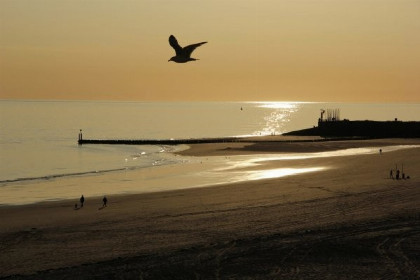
column 391, row 176
column 82, row 200
column 105, row 200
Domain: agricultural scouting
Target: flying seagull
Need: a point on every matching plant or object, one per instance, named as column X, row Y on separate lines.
column 183, row 54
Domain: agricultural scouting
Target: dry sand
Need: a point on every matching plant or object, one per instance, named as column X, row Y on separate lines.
column 347, row 222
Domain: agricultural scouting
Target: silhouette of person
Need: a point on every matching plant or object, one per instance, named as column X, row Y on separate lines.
column 105, row 200
column 391, row 175
column 82, row 200
column 397, row 176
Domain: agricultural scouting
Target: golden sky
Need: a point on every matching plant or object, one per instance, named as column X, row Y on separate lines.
column 258, row 50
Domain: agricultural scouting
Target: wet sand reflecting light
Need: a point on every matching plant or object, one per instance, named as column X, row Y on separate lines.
column 279, row 172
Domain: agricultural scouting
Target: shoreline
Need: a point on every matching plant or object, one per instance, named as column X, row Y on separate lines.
column 209, row 160
column 291, row 226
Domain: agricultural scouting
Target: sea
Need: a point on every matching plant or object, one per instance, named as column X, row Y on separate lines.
column 38, row 139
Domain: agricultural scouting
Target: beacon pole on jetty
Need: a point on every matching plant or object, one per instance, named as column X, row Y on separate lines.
column 80, row 137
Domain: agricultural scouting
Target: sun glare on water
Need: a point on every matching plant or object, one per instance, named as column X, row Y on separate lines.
column 278, row 114
column 278, row 105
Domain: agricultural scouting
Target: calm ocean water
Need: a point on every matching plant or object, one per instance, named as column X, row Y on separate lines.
column 38, row 139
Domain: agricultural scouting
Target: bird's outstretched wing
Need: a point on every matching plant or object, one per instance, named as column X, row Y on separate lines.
column 174, row 44
column 190, row 48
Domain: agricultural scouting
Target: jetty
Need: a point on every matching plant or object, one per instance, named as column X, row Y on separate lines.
column 330, row 128
column 160, row 142
column 252, row 139
column 333, row 126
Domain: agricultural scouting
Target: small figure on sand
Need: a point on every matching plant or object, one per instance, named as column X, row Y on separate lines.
column 75, row 206
column 391, row 175
column 105, row 200
column 82, row 200
column 397, row 175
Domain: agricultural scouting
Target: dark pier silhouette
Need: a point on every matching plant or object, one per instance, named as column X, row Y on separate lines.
column 253, row 139
column 333, row 126
column 330, row 128
column 161, row 142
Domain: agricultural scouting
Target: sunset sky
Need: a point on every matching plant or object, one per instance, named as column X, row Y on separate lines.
column 258, row 50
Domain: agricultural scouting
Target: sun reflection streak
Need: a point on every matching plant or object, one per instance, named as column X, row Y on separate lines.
column 277, row 105
column 278, row 115
column 246, row 161
column 278, row 172
column 236, row 168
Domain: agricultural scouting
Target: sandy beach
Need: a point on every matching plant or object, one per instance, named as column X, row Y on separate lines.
column 347, row 221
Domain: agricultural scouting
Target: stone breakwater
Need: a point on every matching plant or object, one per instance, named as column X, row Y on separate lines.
column 259, row 139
